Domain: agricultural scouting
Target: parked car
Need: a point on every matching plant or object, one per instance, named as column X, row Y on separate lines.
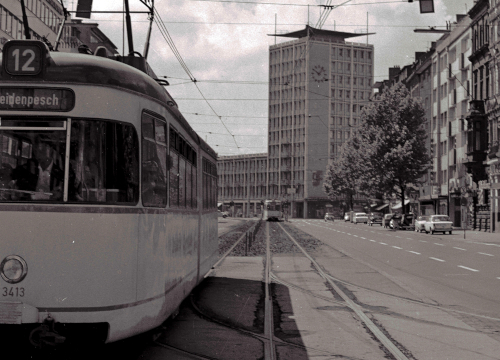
column 438, row 223
column 387, row 220
column 375, row 218
column 328, row 216
column 360, row 217
column 420, row 222
column 347, row 216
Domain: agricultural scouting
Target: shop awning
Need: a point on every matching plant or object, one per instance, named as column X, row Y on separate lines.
column 219, row 204
column 398, row 205
column 382, row 206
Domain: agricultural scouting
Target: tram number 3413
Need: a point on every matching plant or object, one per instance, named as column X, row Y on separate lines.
column 13, row 291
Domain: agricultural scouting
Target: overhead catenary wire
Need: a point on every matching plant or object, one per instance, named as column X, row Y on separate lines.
column 177, row 54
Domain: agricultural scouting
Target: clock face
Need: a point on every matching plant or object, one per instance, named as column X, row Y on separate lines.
column 318, row 73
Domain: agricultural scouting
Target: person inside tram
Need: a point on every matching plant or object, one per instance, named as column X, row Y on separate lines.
column 41, row 177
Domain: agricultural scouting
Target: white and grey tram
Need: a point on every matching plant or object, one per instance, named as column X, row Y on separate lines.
column 272, row 210
column 108, row 211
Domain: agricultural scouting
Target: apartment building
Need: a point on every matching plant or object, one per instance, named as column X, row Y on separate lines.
column 451, row 94
column 44, row 17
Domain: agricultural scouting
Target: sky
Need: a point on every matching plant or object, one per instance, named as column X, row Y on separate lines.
column 224, row 46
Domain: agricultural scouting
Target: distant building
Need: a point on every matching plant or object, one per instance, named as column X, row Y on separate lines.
column 242, row 180
column 318, row 85
column 44, row 17
column 77, row 33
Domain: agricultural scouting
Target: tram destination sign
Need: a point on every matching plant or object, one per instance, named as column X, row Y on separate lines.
column 39, row 99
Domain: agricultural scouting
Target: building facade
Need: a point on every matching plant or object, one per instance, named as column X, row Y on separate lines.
column 318, row 85
column 44, row 17
column 242, row 180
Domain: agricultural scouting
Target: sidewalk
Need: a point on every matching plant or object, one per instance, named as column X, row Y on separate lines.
column 480, row 236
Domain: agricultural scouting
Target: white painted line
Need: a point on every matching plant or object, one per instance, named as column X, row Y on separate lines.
column 413, row 252
column 372, row 240
column 355, row 235
column 362, row 238
column 433, row 258
column 485, row 254
column 383, row 243
column 498, row 278
column 459, row 248
column 422, row 240
column 467, row 268
column 409, row 238
column 438, row 244
column 397, row 247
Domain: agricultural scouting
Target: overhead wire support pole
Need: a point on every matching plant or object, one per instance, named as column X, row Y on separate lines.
column 129, row 29
column 151, row 20
column 25, row 21
column 59, row 33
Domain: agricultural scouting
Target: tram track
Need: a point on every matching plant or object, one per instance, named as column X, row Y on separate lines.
column 374, row 329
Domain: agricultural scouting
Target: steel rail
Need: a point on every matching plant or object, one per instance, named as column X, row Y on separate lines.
column 389, row 345
column 229, row 251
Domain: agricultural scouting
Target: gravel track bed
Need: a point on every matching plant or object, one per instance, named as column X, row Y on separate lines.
column 280, row 243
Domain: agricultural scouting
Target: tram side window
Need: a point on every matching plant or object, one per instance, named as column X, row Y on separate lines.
column 209, row 184
column 105, row 158
column 183, row 172
column 154, row 162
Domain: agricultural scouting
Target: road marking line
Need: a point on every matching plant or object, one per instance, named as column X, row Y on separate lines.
column 433, row 258
column 397, row 247
column 413, row 252
column 355, row 235
column 397, row 236
column 467, row 268
column 383, row 243
column 409, row 238
column 485, row 254
column 362, row 238
column 438, row 244
column 422, row 240
column 459, row 248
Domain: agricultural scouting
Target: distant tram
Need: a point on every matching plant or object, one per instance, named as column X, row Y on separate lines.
column 108, row 198
column 272, row 210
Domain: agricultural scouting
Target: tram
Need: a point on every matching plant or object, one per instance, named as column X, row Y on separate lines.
column 107, row 197
column 272, row 210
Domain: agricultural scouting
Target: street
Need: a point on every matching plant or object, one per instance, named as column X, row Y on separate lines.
column 455, row 279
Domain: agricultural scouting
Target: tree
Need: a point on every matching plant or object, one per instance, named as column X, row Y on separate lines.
column 342, row 176
column 393, row 133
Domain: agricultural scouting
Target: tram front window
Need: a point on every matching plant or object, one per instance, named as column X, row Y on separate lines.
column 102, row 166
column 32, row 161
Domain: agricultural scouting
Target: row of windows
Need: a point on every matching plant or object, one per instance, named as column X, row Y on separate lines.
column 45, row 12
column 241, row 165
column 356, row 53
column 346, row 80
column 161, row 167
column 209, row 184
column 286, row 122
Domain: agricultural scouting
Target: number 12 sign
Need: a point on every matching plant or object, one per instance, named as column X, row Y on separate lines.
column 23, row 57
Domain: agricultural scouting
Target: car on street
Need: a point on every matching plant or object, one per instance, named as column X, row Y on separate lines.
column 420, row 223
column 375, row 218
column 360, row 217
column 328, row 217
column 438, row 223
column 386, row 221
column 347, row 217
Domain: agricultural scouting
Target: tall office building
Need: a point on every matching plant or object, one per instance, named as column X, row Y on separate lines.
column 318, row 84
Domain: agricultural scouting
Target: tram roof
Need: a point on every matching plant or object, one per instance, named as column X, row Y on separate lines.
column 97, row 70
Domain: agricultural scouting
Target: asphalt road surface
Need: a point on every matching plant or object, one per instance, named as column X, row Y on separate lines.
column 457, row 281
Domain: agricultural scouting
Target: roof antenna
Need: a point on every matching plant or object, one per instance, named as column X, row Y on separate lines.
column 25, row 21
column 151, row 19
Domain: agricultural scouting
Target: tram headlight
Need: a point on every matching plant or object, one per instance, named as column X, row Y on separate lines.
column 13, row 269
